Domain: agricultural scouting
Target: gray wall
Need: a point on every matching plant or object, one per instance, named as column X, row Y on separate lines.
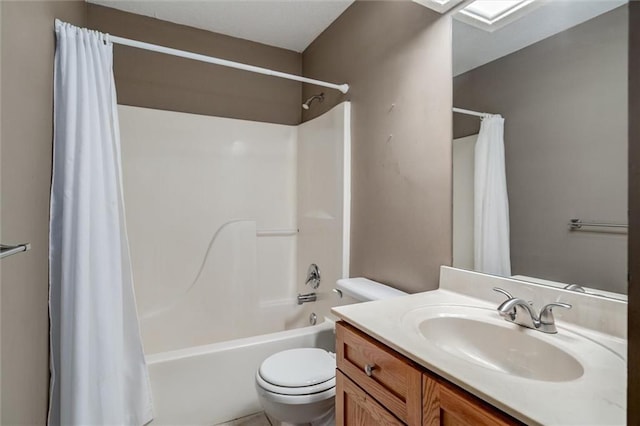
column 564, row 100
column 633, row 388
column 393, row 53
column 25, row 168
column 154, row 80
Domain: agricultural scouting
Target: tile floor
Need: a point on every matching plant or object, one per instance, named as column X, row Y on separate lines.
column 258, row 419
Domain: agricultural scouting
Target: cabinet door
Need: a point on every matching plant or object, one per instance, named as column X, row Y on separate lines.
column 354, row 407
column 391, row 379
column 445, row 404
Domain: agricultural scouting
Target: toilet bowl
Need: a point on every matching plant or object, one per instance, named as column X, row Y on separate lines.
column 298, row 386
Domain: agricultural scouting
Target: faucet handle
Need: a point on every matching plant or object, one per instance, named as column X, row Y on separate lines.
column 575, row 287
column 546, row 313
column 313, row 276
column 503, row 291
column 511, row 314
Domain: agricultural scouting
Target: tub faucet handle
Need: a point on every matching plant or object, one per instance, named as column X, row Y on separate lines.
column 313, row 276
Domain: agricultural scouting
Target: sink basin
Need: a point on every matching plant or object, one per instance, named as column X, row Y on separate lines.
column 479, row 336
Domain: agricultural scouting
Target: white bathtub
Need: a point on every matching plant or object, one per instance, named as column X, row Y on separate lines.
column 210, row 384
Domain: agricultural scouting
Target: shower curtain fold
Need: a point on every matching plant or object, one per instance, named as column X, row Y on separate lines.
column 491, row 204
column 98, row 370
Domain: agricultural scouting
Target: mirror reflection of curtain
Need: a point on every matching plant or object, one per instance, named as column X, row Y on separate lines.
column 491, row 204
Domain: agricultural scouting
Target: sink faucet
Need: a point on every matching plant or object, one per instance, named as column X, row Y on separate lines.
column 519, row 311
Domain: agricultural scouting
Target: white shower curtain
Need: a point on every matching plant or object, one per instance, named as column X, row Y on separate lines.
column 491, row 205
column 98, row 370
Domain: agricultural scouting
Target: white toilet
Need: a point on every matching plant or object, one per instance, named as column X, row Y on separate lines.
column 298, row 386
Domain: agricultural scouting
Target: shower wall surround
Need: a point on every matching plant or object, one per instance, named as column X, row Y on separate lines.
column 204, row 197
column 197, row 189
column 324, row 202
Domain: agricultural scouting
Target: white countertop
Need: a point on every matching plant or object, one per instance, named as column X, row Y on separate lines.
column 597, row 397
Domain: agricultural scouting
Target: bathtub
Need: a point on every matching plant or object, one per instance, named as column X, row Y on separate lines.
column 211, row 384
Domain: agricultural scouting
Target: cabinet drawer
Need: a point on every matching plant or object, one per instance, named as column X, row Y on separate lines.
column 355, row 408
column 385, row 375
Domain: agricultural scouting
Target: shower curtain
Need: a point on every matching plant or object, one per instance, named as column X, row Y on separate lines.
column 98, row 370
column 491, row 205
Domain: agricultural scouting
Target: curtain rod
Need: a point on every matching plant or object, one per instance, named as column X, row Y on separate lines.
column 469, row 112
column 344, row 88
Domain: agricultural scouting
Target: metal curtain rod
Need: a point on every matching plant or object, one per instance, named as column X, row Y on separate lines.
column 344, row 88
column 469, row 112
column 575, row 224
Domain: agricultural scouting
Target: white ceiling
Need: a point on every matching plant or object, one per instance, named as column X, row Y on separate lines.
column 473, row 47
column 289, row 24
column 294, row 24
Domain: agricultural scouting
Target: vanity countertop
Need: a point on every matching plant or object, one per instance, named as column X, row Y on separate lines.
column 595, row 397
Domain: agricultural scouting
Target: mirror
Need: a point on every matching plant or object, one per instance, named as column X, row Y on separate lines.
column 556, row 71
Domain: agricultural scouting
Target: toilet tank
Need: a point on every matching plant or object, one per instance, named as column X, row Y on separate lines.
column 365, row 290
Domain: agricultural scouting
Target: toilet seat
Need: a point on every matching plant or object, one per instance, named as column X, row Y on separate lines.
column 292, row 400
column 300, row 390
column 302, row 371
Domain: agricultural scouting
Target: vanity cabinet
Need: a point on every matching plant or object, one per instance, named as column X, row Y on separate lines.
column 377, row 386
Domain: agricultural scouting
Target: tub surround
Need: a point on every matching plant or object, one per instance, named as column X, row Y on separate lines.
column 596, row 396
column 264, row 201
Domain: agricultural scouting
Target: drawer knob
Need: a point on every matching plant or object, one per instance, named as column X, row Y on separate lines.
column 368, row 369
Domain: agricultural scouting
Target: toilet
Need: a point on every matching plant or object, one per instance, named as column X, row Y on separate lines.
column 298, row 386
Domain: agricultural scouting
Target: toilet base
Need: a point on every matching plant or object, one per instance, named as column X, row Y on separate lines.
column 329, row 419
column 320, row 412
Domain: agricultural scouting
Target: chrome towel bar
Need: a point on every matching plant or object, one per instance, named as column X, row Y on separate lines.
column 8, row 250
column 576, row 224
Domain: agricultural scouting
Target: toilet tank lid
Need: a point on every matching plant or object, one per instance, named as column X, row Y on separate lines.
column 364, row 289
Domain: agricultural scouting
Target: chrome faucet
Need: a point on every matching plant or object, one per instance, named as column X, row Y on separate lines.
column 519, row 311
column 307, row 297
column 313, row 276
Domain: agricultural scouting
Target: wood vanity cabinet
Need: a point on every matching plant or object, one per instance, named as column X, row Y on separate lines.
column 377, row 386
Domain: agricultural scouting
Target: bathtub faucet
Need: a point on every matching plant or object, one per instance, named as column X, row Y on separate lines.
column 308, row 297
